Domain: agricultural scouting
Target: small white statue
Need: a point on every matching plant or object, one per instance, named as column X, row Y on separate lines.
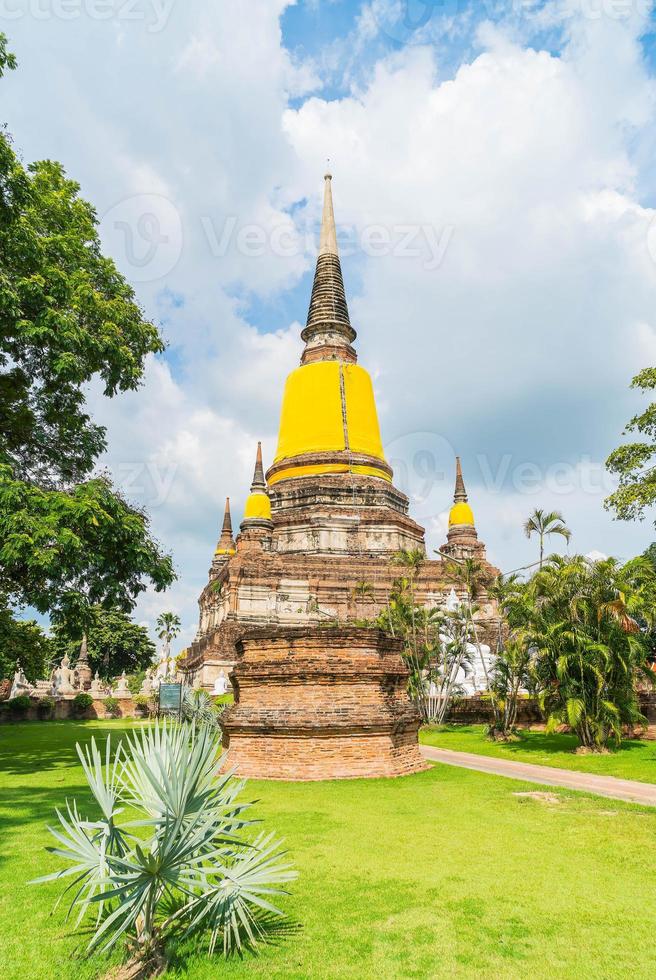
column 21, row 685
column 452, row 602
column 220, row 684
column 63, row 678
column 147, row 685
column 97, row 688
column 122, row 690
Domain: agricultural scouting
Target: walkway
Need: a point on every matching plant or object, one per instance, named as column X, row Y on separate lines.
column 628, row 790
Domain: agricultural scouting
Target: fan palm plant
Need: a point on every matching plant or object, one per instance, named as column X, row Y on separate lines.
column 545, row 523
column 184, row 864
column 169, row 626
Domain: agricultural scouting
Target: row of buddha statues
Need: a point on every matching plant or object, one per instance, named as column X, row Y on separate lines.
column 67, row 679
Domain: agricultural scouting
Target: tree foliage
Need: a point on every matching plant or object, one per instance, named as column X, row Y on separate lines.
column 635, row 462
column 588, row 626
column 24, row 641
column 114, row 642
column 67, row 317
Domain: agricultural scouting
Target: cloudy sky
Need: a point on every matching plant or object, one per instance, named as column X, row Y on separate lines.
column 496, row 199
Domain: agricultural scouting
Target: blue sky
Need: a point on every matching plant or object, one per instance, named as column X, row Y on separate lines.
column 494, row 188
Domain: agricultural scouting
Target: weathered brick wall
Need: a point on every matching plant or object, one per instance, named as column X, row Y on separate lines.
column 314, row 703
column 478, row 711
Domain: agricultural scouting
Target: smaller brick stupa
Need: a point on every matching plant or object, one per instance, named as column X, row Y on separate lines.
column 320, row 703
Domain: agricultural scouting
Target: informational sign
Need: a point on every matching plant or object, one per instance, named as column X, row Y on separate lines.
column 170, row 698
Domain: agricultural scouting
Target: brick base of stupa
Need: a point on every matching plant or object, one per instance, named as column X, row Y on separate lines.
column 320, row 703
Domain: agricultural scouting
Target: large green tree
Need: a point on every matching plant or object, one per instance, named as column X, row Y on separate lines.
column 68, row 540
column 635, row 462
column 24, row 641
column 114, row 643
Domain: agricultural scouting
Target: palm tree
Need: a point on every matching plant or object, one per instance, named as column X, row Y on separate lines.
column 474, row 579
column 589, row 645
column 411, row 560
column 169, row 626
column 545, row 523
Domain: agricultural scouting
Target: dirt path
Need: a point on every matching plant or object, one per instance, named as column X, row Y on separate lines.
column 617, row 789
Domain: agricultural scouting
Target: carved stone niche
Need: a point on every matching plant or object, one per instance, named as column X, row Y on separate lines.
column 320, row 703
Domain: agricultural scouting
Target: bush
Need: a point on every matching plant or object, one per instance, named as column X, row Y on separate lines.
column 112, row 707
column 142, row 703
column 45, row 708
column 19, row 706
column 81, row 704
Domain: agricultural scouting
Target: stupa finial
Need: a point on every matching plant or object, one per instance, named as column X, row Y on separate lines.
column 259, row 483
column 257, row 512
column 328, row 238
column 460, row 494
column 328, row 332
column 226, row 544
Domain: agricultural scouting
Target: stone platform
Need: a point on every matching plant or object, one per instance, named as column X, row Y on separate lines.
column 320, row 703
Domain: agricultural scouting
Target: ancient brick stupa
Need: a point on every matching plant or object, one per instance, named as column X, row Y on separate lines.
column 315, row 547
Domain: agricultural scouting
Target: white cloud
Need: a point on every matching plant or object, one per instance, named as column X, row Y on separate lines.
column 519, row 345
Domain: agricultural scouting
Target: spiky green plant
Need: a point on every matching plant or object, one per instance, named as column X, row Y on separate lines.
column 185, row 863
column 199, row 706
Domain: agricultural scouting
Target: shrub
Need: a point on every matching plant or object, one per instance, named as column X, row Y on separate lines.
column 19, row 706
column 45, row 708
column 190, row 870
column 81, row 704
column 142, row 703
column 198, row 706
column 112, row 707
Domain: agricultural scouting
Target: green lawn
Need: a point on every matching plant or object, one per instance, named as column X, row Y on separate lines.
column 635, row 759
column 446, row 873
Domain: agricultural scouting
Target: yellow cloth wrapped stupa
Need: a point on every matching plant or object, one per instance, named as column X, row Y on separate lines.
column 257, row 511
column 461, row 513
column 328, row 421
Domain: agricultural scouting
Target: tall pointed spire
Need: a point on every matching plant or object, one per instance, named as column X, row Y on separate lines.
column 259, row 483
column 460, row 495
column 257, row 512
column 328, row 239
column 462, row 540
column 328, row 333
column 226, row 543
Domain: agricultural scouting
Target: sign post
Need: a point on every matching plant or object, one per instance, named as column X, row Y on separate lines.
column 170, row 699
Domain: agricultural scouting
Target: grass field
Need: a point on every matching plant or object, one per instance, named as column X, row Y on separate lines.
column 446, row 873
column 635, row 759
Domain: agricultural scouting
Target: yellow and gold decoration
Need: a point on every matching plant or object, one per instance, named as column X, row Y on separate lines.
column 257, row 512
column 225, row 546
column 328, row 422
